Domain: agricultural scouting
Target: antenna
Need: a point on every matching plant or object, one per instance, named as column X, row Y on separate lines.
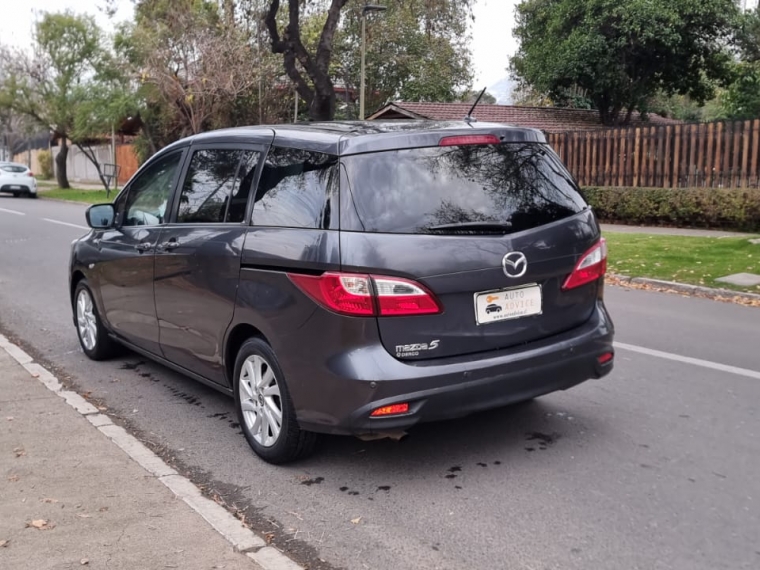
column 469, row 118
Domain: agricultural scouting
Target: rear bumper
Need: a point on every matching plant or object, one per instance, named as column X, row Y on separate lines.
column 26, row 188
column 460, row 386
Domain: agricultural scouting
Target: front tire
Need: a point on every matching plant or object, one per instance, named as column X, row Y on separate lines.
column 93, row 337
column 264, row 408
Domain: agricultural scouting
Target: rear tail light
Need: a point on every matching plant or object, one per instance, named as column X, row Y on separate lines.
column 390, row 410
column 605, row 358
column 468, row 140
column 591, row 266
column 31, row 174
column 368, row 295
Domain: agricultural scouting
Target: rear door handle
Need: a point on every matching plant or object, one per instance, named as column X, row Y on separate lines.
column 144, row 246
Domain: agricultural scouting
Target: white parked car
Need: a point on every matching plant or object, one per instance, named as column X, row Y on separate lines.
column 17, row 179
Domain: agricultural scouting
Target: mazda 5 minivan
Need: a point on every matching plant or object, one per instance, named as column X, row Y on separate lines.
column 351, row 278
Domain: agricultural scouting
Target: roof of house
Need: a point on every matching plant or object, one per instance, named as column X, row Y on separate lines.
column 547, row 119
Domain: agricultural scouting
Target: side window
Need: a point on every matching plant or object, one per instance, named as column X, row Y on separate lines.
column 211, row 185
column 295, row 188
column 149, row 193
column 239, row 200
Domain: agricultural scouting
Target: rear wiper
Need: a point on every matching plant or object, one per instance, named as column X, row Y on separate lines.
column 473, row 227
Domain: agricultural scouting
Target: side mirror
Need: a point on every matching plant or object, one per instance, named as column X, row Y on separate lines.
column 100, row 216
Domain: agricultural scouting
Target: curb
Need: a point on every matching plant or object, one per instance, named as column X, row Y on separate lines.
column 241, row 538
column 697, row 290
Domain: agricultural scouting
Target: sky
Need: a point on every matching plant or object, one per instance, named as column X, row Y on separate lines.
column 492, row 41
column 492, row 38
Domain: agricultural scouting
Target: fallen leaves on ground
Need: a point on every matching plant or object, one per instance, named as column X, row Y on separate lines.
column 49, row 500
column 84, row 516
column 269, row 537
column 84, row 562
column 357, row 520
column 625, row 282
column 13, row 478
column 19, row 451
column 40, row 524
column 4, row 543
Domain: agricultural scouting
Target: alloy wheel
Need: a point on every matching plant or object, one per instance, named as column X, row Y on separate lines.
column 86, row 323
column 260, row 400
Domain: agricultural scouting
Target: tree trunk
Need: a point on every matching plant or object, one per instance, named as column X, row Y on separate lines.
column 321, row 99
column 61, row 175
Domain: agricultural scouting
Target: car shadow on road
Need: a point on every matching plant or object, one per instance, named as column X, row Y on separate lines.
column 495, row 437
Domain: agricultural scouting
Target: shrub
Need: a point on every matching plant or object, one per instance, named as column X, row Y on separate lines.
column 45, row 158
column 731, row 209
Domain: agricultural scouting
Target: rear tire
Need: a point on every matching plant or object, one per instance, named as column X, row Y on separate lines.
column 16, row 194
column 264, row 408
column 33, row 196
column 93, row 337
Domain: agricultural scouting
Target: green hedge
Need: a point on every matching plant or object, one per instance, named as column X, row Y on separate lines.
column 735, row 209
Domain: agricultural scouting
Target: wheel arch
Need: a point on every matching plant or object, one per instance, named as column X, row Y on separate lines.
column 237, row 335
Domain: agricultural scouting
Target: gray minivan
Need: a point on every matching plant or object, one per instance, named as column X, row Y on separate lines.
column 351, row 278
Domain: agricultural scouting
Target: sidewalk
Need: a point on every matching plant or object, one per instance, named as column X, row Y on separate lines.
column 619, row 228
column 51, row 184
column 70, row 498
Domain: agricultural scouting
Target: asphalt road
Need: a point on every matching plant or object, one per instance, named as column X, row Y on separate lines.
column 654, row 467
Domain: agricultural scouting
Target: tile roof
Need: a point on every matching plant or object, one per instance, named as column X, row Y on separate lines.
column 547, row 119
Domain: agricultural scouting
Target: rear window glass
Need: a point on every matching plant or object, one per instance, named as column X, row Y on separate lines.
column 13, row 168
column 517, row 185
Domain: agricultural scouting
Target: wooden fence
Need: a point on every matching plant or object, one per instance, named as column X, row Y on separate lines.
column 715, row 155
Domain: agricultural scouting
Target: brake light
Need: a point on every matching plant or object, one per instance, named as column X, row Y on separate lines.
column 468, row 140
column 343, row 293
column 390, row 410
column 367, row 296
column 31, row 174
column 591, row 266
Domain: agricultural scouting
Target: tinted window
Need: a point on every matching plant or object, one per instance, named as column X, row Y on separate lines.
column 208, row 186
column 13, row 168
column 294, row 189
column 242, row 190
column 149, row 193
column 518, row 185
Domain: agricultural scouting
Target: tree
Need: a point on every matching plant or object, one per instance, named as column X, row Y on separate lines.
column 622, row 53
column 196, row 68
column 741, row 99
column 417, row 50
column 309, row 72
column 51, row 85
column 472, row 96
column 417, row 58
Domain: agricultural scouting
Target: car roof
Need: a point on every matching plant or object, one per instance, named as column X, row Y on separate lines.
column 354, row 137
column 6, row 163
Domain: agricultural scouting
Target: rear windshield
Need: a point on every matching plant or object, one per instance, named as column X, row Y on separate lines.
column 12, row 168
column 516, row 185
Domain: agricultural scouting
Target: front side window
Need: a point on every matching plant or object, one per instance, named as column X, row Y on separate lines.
column 212, row 192
column 149, row 193
column 295, row 189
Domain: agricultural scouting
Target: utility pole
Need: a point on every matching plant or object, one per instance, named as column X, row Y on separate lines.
column 365, row 10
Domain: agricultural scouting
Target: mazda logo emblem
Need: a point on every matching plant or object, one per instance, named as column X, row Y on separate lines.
column 515, row 264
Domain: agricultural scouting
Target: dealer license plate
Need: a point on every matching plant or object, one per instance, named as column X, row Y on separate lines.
column 506, row 304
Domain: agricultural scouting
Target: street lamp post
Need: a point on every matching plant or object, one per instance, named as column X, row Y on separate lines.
column 365, row 10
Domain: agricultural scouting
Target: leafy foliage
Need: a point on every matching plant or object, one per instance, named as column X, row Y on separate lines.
column 417, row 50
column 622, row 53
column 45, row 159
column 62, row 81
column 733, row 209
